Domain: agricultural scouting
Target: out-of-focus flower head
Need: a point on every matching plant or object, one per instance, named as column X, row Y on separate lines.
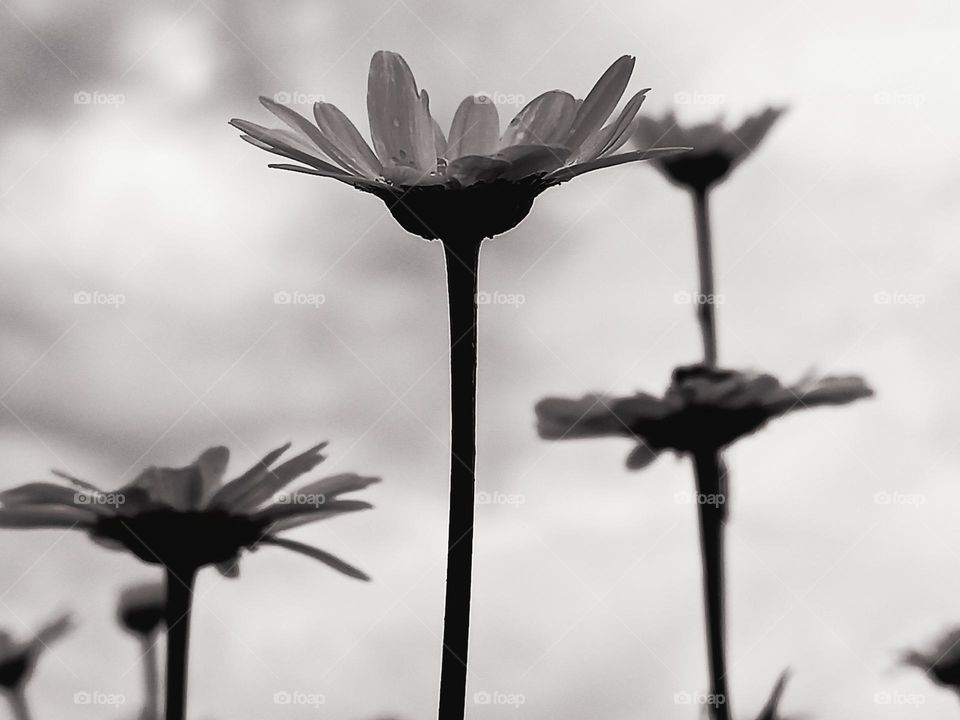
column 18, row 659
column 941, row 662
column 187, row 518
column 704, row 408
column 716, row 149
column 473, row 182
column 142, row 607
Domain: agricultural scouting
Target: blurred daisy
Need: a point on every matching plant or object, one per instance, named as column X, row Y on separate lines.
column 141, row 611
column 472, row 182
column 187, row 518
column 18, row 660
column 716, row 149
column 703, row 409
column 941, row 662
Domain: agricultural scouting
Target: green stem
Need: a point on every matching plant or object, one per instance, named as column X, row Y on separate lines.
column 151, row 677
column 179, row 601
column 463, row 262
column 18, row 704
column 706, row 301
column 711, row 506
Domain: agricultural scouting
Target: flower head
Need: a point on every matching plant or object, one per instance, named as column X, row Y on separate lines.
column 186, row 518
column 475, row 180
column 704, row 408
column 17, row 659
column 941, row 662
column 716, row 149
column 142, row 607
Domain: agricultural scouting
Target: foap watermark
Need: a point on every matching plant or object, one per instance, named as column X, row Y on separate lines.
column 697, row 697
column 98, row 697
column 90, row 498
column 299, row 697
column 698, row 298
column 499, row 98
column 312, row 500
column 501, row 498
column 895, row 697
column 296, row 97
column 899, row 298
column 496, row 697
column 894, row 497
column 892, row 97
column 85, row 97
column 96, row 297
column 685, row 497
column 298, row 297
column 500, row 298
column 695, row 97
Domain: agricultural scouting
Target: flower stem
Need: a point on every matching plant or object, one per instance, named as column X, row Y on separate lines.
column 151, row 679
column 18, row 704
column 179, row 601
column 711, row 504
column 463, row 262
column 706, row 305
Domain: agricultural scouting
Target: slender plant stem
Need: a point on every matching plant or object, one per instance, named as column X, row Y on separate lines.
column 151, row 677
column 706, row 305
column 179, row 601
column 463, row 261
column 711, row 506
column 18, row 704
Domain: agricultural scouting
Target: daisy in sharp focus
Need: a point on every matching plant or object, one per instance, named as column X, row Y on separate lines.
column 717, row 149
column 187, row 518
column 18, row 660
column 704, row 409
column 475, row 181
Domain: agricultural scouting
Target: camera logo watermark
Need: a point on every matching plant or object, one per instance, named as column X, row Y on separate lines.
column 312, row 500
column 695, row 97
column 495, row 697
column 498, row 98
column 893, row 297
column 906, row 99
column 297, row 297
column 501, row 498
column 685, row 697
column 500, row 298
column 297, row 697
column 99, row 98
column 295, row 97
column 114, row 500
column 98, row 697
column 687, row 298
column 698, row 498
column 96, row 297
column 894, row 497
column 895, row 697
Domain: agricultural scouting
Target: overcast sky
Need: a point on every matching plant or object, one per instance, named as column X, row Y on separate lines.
column 587, row 589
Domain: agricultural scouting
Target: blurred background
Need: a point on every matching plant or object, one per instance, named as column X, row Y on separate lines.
column 144, row 246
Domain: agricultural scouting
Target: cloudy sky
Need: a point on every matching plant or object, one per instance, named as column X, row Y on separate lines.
column 120, row 178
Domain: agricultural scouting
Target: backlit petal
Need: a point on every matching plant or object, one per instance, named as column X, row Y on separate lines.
column 545, row 120
column 345, row 140
column 475, row 129
column 396, row 114
column 600, row 101
column 323, row 556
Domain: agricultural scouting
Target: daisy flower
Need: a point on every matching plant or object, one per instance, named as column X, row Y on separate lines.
column 941, row 662
column 18, row 660
column 187, row 518
column 716, row 148
column 473, row 182
column 703, row 409
column 141, row 611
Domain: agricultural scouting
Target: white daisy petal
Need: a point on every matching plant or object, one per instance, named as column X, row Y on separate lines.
column 545, row 120
column 396, row 114
column 475, row 128
column 600, row 101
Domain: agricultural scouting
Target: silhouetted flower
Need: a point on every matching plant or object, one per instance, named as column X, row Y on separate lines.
column 187, row 517
column 941, row 662
column 18, row 660
column 473, row 181
column 716, row 149
column 141, row 607
column 704, row 408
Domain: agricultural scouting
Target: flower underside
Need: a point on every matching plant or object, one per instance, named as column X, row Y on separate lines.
column 472, row 180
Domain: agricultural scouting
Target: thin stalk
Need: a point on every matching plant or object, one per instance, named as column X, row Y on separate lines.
column 151, row 677
column 18, row 704
column 711, row 506
column 462, row 261
column 706, row 305
column 179, row 602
